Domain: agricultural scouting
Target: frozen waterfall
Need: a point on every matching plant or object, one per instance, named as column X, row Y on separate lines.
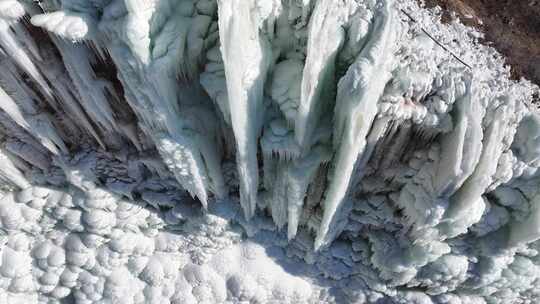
column 262, row 151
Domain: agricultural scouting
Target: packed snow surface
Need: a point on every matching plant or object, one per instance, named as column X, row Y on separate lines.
column 261, row 151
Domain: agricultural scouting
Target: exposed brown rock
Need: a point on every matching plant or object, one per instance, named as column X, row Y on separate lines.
column 510, row 26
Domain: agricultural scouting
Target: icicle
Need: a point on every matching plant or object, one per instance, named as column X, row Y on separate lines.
column 182, row 158
column 377, row 132
column 467, row 205
column 38, row 125
column 301, row 174
column 397, row 147
column 61, row 84
column 29, row 154
column 357, row 102
column 324, row 40
column 246, row 56
column 29, row 42
column 15, row 51
column 10, row 173
column 92, row 92
column 462, row 147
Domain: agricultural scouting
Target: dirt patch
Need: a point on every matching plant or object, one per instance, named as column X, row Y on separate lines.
column 510, row 26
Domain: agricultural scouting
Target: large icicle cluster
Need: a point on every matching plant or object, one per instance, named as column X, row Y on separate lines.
column 369, row 153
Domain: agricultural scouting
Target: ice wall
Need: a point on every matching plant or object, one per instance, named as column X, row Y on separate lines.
column 261, row 151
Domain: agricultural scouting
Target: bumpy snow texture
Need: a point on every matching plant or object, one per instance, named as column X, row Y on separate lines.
column 261, row 151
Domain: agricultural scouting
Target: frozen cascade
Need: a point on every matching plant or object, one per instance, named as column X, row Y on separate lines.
column 262, row 151
column 356, row 107
column 246, row 58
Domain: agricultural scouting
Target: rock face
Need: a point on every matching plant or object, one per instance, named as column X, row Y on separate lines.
column 512, row 27
column 250, row 151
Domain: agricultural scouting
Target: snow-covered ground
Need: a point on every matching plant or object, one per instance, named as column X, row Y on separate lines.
column 261, row 151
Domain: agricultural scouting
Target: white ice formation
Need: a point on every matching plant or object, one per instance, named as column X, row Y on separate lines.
column 262, row 151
